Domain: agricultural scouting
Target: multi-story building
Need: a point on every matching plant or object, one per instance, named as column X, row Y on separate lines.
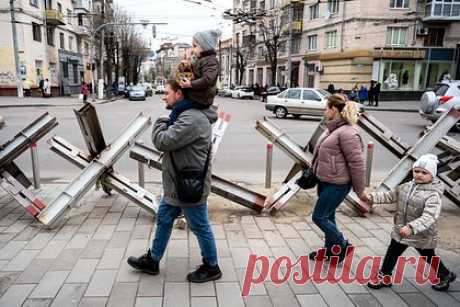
column 53, row 43
column 225, row 57
column 406, row 45
column 168, row 58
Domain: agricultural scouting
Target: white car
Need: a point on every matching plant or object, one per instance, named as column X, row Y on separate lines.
column 298, row 101
column 160, row 89
column 436, row 102
column 242, row 92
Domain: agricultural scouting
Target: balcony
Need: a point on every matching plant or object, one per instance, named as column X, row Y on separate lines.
column 54, row 17
column 82, row 30
column 296, row 27
column 442, row 10
column 81, row 6
column 249, row 40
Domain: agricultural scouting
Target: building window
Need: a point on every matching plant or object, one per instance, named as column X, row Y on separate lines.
column 33, row 3
column 260, row 51
column 312, row 42
column 86, row 48
column 61, row 41
column 396, row 36
column 296, row 45
column 59, row 6
column 331, row 39
column 442, row 8
column 71, row 43
column 399, row 4
column 36, row 32
column 435, row 37
column 50, row 36
column 272, row 4
column 333, row 6
column 314, row 11
column 80, row 19
column 69, row 17
column 38, row 70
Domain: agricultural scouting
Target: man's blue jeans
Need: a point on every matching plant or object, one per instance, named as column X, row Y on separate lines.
column 197, row 220
column 330, row 196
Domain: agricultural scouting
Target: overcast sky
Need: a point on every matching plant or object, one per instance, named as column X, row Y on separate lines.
column 183, row 18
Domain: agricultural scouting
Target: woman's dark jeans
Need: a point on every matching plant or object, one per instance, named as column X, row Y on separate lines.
column 330, row 196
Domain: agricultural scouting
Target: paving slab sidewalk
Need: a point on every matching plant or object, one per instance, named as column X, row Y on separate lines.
column 83, row 261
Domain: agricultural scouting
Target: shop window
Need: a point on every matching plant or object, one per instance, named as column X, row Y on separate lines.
column 396, row 36
column 398, row 75
column 65, row 69
column 75, row 73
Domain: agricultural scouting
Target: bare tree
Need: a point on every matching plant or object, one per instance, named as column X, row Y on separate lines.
column 269, row 29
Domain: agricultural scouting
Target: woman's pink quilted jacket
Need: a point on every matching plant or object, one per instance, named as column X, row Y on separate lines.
column 339, row 158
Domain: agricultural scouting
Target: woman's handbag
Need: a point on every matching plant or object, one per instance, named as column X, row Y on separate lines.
column 308, row 180
column 190, row 182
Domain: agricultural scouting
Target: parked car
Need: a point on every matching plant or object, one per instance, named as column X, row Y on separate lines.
column 147, row 87
column 2, row 122
column 225, row 92
column 127, row 90
column 160, row 89
column 242, row 92
column 299, row 101
column 271, row 91
column 437, row 101
column 137, row 93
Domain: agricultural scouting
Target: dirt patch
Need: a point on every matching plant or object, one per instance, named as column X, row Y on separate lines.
column 222, row 210
column 449, row 233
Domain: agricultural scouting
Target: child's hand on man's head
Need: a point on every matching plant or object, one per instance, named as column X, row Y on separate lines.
column 185, row 83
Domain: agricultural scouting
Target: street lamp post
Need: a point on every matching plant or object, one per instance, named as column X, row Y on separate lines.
column 93, row 36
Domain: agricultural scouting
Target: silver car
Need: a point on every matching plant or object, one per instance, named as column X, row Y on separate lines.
column 436, row 102
column 137, row 93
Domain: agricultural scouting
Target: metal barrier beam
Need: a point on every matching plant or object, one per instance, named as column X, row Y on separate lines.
column 80, row 185
column 424, row 145
column 219, row 186
column 295, row 152
column 91, row 129
column 112, row 179
column 26, row 137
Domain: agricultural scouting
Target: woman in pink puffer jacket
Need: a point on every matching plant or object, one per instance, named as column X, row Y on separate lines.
column 338, row 163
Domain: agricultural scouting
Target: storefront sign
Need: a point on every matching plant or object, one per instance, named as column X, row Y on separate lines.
column 400, row 54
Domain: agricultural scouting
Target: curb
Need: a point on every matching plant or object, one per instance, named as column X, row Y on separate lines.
column 54, row 105
column 391, row 110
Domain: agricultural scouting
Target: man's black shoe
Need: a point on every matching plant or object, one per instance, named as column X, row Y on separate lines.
column 145, row 263
column 204, row 273
column 314, row 255
column 380, row 282
column 444, row 282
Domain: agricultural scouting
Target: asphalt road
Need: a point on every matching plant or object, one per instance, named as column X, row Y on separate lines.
column 241, row 156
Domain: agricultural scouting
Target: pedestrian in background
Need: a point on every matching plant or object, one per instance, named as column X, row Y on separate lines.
column 371, row 93
column 338, row 164
column 84, row 91
column 377, row 93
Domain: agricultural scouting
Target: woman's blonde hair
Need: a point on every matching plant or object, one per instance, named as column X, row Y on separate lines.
column 347, row 108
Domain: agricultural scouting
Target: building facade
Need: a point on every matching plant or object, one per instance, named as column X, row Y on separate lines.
column 406, row 45
column 53, row 39
column 168, row 57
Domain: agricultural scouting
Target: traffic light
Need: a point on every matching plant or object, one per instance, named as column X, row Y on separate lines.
column 154, row 31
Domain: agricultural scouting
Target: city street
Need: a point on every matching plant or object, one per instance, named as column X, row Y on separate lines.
column 241, row 156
